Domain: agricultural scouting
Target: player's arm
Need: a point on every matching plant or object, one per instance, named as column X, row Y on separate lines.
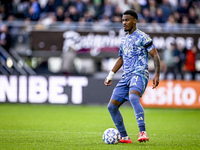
column 116, row 67
column 156, row 58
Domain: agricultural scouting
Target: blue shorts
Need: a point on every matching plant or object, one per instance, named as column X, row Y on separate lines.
column 134, row 82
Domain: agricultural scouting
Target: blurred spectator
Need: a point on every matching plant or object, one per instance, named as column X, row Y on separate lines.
column 196, row 6
column 171, row 24
column 117, row 17
column 36, row 6
column 142, row 3
column 82, row 23
column 137, row 7
column 73, row 14
column 6, row 8
column 159, row 16
column 66, row 4
column 33, row 13
column 173, row 4
column 68, row 66
column 177, row 17
column 20, row 8
column 180, row 55
column 183, row 8
column 3, row 14
column 167, row 9
column 50, row 6
column 30, row 15
column 91, row 8
column 146, row 15
column 88, row 17
column 13, row 30
column 80, row 7
column 60, row 16
column 5, row 38
column 148, row 10
column 185, row 22
column 118, row 12
column 108, row 9
column 168, row 58
column 152, row 5
column 192, row 15
column 124, row 5
column 98, row 5
column 190, row 61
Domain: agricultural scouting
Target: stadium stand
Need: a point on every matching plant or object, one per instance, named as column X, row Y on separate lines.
column 24, row 18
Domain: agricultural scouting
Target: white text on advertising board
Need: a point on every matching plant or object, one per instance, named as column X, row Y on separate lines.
column 39, row 89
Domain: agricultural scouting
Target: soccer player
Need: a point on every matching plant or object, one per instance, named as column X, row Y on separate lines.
column 133, row 56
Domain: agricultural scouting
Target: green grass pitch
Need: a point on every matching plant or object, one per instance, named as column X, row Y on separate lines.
column 69, row 127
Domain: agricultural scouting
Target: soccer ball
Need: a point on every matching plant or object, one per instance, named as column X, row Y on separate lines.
column 111, row 136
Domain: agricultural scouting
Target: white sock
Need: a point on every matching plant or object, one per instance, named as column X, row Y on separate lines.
column 125, row 138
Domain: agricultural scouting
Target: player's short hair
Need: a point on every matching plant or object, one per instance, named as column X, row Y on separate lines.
column 131, row 12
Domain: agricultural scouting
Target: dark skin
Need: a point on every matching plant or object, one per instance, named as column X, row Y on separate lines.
column 129, row 23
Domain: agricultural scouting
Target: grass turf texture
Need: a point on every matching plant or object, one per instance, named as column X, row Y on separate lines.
column 24, row 127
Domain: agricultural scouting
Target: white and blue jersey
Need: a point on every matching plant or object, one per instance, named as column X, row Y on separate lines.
column 134, row 49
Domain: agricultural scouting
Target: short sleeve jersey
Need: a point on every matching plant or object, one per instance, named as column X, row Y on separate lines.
column 134, row 50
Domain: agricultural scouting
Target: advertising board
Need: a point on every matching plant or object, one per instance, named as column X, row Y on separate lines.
column 82, row 90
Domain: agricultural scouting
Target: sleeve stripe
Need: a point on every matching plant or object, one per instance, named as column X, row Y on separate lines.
column 148, row 45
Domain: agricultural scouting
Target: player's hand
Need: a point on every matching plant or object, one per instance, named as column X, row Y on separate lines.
column 155, row 81
column 107, row 83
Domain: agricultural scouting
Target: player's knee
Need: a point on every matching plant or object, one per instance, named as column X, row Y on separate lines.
column 134, row 98
column 111, row 107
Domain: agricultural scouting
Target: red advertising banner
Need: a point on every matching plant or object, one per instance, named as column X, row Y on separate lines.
column 173, row 94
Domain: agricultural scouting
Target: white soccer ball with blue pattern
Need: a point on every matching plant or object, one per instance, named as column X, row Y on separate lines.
column 111, row 136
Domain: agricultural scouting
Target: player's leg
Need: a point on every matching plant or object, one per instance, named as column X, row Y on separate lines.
column 137, row 87
column 113, row 108
column 120, row 93
column 134, row 98
column 139, row 114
